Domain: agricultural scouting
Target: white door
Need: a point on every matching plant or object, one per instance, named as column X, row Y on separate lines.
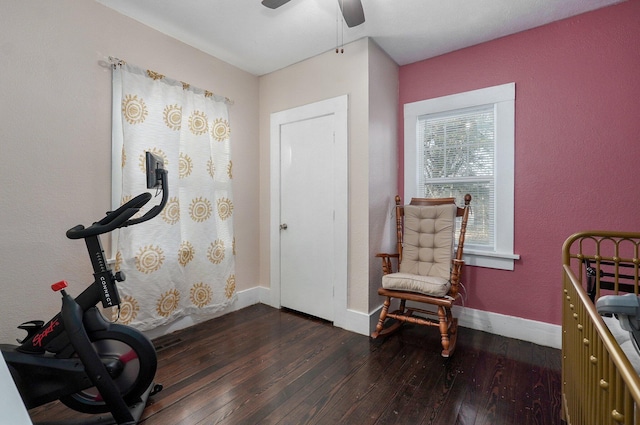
column 306, row 215
column 310, row 257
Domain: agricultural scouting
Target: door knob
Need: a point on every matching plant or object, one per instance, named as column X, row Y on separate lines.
column 283, row 226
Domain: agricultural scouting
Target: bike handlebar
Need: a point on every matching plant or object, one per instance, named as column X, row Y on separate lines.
column 120, row 217
column 112, row 220
column 80, row 232
column 137, row 203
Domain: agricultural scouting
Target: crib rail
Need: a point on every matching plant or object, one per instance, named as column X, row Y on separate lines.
column 599, row 384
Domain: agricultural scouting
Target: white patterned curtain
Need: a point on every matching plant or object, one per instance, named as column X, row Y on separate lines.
column 183, row 261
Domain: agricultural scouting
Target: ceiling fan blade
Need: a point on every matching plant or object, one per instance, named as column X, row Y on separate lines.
column 274, row 4
column 352, row 12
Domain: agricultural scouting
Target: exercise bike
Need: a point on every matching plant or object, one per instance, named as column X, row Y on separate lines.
column 78, row 357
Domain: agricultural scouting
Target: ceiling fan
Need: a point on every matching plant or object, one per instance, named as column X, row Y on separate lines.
column 351, row 10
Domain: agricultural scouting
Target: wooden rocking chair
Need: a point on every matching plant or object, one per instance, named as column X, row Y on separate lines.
column 428, row 270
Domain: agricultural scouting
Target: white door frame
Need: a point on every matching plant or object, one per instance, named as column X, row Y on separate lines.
column 337, row 106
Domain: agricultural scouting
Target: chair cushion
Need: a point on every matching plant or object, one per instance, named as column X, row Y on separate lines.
column 427, row 285
column 427, row 245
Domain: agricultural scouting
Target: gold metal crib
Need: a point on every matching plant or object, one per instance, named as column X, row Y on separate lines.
column 599, row 384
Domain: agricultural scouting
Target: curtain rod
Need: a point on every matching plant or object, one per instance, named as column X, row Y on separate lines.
column 112, row 62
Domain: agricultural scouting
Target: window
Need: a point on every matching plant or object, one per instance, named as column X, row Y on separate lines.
column 464, row 143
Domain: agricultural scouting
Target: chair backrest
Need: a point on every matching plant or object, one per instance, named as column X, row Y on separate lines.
column 425, row 232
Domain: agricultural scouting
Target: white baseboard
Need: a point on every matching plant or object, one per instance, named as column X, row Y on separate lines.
column 350, row 320
column 355, row 321
column 245, row 299
column 540, row 333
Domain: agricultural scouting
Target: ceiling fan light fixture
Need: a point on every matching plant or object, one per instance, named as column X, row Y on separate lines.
column 274, row 4
column 352, row 11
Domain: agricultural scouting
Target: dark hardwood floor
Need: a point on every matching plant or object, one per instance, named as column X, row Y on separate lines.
column 261, row 365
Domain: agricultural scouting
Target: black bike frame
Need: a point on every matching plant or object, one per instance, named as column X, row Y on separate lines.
column 103, row 288
column 51, row 337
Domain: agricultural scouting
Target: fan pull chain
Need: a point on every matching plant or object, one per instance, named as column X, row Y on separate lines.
column 340, row 28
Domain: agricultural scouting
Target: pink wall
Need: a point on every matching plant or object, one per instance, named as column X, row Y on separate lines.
column 577, row 142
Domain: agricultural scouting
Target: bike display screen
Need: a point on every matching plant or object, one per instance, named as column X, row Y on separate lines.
column 154, row 163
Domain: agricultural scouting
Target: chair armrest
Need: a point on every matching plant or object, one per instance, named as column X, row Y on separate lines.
column 387, row 265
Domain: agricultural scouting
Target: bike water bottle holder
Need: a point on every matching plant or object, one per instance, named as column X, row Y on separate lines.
column 108, row 292
column 31, row 327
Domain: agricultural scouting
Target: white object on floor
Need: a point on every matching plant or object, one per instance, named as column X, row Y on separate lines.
column 12, row 410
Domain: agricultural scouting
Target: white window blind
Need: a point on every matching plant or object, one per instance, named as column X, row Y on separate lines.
column 456, row 152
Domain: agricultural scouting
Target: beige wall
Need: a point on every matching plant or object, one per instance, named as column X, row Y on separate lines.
column 323, row 77
column 55, row 143
column 372, row 95
column 383, row 173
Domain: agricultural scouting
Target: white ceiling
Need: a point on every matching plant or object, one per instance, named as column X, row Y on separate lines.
column 260, row 40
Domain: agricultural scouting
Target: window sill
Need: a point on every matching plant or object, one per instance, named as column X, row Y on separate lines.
column 493, row 260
